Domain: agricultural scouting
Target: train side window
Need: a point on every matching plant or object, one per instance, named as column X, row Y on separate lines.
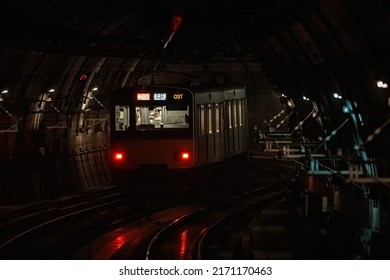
column 217, row 118
column 202, row 123
column 210, row 118
column 229, row 105
column 122, row 117
column 240, row 104
column 235, row 113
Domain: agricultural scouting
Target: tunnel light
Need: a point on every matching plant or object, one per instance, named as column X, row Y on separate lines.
column 381, row 84
column 83, row 77
column 337, row 96
column 4, row 91
column 306, row 98
column 52, row 90
column 95, row 89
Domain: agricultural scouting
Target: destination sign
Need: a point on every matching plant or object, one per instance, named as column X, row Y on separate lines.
column 143, row 96
column 160, row 96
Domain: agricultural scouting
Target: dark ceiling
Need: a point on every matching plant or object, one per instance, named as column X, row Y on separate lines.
column 306, row 47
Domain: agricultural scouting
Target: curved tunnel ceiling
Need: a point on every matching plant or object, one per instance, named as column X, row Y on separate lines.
column 306, row 48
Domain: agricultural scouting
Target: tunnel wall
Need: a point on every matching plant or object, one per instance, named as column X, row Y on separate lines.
column 57, row 163
column 54, row 128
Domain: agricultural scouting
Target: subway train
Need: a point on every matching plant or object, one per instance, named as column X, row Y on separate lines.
column 168, row 124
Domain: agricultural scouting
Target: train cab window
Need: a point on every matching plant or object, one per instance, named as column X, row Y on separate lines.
column 122, row 117
column 217, row 118
column 210, row 118
column 162, row 117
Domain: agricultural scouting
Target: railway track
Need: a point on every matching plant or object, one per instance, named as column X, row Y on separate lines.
column 118, row 226
column 211, row 232
column 55, row 232
column 138, row 240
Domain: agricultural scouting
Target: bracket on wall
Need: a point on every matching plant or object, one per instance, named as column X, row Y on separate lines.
column 94, row 123
column 12, row 126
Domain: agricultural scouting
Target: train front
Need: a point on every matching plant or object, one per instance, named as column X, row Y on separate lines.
column 151, row 129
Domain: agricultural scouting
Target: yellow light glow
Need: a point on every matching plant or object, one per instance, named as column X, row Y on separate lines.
column 143, row 96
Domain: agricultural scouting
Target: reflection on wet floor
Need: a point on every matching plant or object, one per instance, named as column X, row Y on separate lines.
column 183, row 243
column 123, row 242
column 180, row 246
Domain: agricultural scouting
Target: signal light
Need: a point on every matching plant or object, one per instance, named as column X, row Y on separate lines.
column 83, row 77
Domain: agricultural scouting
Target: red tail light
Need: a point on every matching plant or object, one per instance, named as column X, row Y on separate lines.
column 185, row 156
column 182, row 155
column 118, row 156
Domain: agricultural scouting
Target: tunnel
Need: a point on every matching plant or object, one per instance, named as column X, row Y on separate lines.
column 322, row 66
